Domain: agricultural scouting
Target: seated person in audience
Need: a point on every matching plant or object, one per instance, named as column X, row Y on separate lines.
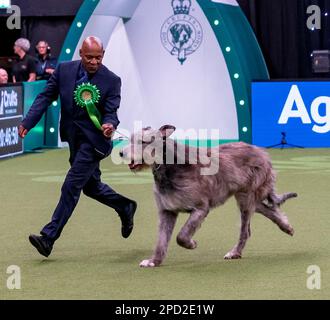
column 25, row 68
column 46, row 64
column 3, row 76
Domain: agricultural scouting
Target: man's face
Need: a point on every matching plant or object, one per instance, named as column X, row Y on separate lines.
column 91, row 57
column 3, row 76
column 16, row 49
column 42, row 48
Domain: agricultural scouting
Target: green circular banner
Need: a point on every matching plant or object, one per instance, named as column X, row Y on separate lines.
column 86, row 96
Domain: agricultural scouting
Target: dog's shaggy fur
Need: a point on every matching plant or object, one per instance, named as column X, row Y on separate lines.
column 244, row 171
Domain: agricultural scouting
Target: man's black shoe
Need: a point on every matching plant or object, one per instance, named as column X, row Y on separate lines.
column 127, row 222
column 41, row 244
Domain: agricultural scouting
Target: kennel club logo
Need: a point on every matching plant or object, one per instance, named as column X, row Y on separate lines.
column 181, row 34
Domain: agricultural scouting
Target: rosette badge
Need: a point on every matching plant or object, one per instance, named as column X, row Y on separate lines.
column 87, row 96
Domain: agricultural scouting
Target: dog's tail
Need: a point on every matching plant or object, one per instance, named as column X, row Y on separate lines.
column 275, row 200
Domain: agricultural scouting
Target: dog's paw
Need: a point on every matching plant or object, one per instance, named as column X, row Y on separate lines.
column 147, row 264
column 231, row 255
column 193, row 244
column 287, row 229
column 187, row 244
column 290, row 231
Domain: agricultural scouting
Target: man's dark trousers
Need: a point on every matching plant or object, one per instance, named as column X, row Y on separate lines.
column 85, row 175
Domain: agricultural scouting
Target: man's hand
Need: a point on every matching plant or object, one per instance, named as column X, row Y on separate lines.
column 22, row 132
column 108, row 129
column 50, row 71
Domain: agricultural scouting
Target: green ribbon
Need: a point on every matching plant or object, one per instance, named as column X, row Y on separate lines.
column 86, row 96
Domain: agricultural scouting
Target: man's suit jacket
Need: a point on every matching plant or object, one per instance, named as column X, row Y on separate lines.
column 62, row 83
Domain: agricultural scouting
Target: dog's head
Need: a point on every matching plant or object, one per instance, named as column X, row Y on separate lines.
column 146, row 147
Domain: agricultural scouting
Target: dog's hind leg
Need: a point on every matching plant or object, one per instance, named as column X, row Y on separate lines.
column 247, row 208
column 274, row 215
column 184, row 238
column 167, row 221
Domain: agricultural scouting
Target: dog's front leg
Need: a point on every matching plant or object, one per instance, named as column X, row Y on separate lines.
column 184, row 238
column 167, row 221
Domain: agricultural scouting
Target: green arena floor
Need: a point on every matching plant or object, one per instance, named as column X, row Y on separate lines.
column 92, row 261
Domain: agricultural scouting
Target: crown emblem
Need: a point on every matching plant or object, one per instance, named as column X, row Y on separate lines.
column 181, row 6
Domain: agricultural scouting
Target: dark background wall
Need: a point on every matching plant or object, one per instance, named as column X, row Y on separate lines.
column 35, row 8
column 280, row 27
column 48, row 20
column 287, row 43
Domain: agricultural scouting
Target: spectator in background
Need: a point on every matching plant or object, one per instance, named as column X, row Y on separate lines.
column 25, row 68
column 3, row 76
column 46, row 64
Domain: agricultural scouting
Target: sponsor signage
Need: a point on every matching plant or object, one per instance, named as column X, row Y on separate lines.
column 11, row 113
column 296, row 111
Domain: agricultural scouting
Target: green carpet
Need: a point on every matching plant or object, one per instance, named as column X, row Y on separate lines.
column 92, row 261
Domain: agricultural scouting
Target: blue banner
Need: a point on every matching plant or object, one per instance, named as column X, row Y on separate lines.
column 294, row 112
column 11, row 114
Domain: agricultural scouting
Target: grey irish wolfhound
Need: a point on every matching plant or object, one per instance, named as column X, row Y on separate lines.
column 239, row 169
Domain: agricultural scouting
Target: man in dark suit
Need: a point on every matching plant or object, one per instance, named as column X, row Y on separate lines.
column 88, row 144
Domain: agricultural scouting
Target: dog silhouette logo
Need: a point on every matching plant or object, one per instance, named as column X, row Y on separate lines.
column 181, row 34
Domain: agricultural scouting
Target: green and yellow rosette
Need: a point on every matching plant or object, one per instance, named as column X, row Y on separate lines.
column 87, row 96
